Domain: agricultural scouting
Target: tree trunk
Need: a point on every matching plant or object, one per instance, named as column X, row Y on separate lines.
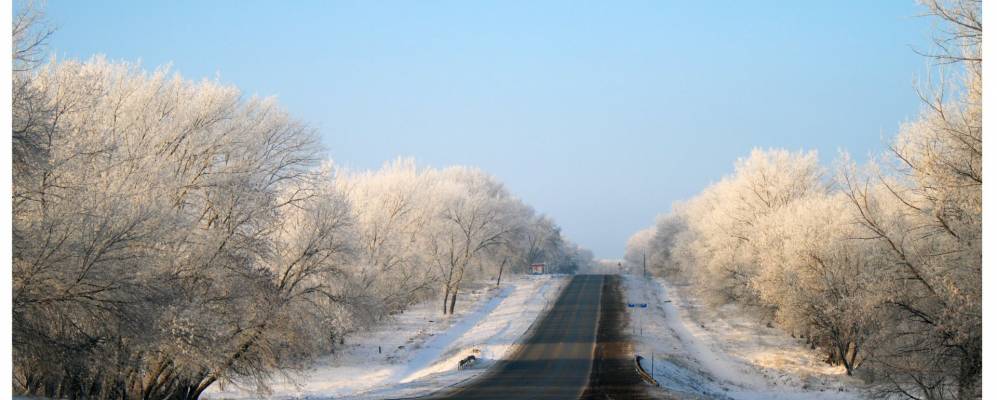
column 448, row 286
column 501, row 268
column 456, row 286
column 453, row 300
column 446, row 296
column 843, row 349
column 853, row 356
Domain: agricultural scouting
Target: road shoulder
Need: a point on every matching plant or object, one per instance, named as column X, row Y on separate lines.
column 701, row 352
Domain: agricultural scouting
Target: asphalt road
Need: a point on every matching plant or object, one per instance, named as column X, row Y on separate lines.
column 559, row 356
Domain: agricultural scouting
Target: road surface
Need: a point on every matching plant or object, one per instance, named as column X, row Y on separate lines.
column 577, row 342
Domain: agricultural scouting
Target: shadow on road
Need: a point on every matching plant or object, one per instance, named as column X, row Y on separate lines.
column 613, row 375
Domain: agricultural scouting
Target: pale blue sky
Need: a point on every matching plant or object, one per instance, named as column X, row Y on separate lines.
column 600, row 114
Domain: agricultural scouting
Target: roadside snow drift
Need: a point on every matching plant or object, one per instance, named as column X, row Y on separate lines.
column 420, row 348
column 704, row 353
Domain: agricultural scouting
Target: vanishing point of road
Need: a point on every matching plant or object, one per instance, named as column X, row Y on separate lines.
column 577, row 350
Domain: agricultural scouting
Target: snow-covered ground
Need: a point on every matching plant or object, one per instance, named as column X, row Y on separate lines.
column 701, row 352
column 420, row 348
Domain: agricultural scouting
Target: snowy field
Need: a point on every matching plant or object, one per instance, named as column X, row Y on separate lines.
column 420, row 348
column 704, row 353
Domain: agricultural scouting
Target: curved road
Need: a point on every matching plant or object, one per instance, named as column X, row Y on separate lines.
column 577, row 342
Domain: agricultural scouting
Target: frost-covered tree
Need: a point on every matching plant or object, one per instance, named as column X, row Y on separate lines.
column 475, row 215
column 425, row 231
column 657, row 245
column 29, row 33
column 635, row 252
column 573, row 258
column 169, row 235
column 394, row 209
column 923, row 208
column 150, row 251
column 723, row 219
column 534, row 239
column 883, row 270
column 818, row 277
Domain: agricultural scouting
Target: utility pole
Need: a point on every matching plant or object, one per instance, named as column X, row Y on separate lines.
column 643, row 255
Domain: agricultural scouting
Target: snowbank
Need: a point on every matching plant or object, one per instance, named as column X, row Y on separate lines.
column 420, row 348
column 706, row 353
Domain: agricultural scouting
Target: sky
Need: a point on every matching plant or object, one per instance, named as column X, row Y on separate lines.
column 599, row 114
